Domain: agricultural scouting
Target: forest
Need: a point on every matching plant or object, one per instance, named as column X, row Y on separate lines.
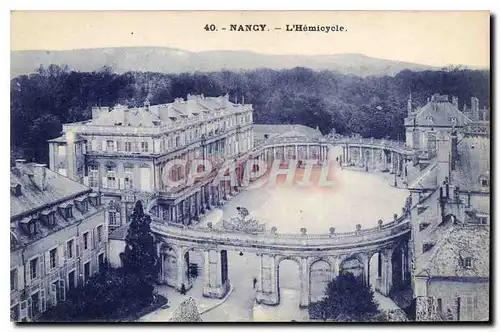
column 373, row 106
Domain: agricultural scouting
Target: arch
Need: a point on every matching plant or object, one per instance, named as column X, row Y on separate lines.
column 320, row 274
column 144, row 166
column 291, row 284
column 353, row 264
column 110, row 164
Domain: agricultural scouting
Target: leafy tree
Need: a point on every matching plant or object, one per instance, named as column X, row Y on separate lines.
column 347, row 299
column 140, row 258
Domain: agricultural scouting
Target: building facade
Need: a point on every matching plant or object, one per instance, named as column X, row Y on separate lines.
column 58, row 238
column 450, row 225
column 125, row 152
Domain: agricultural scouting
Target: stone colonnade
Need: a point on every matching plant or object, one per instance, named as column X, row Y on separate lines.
column 315, row 271
column 373, row 158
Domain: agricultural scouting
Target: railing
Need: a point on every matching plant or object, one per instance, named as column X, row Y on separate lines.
column 379, row 143
column 367, row 236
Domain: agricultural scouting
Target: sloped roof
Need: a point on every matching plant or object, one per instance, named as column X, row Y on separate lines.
column 260, row 130
column 136, row 117
column 425, row 179
column 441, row 112
column 58, row 188
column 457, row 242
column 473, row 163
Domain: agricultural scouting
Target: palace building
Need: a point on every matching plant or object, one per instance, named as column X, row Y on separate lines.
column 58, row 238
column 123, row 152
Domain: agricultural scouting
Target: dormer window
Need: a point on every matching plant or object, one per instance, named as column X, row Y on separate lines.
column 430, row 119
column 32, row 227
column 69, row 212
column 468, row 262
column 82, row 204
column 453, row 120
column 51, row 219
column 95, row 199
column 485, row 183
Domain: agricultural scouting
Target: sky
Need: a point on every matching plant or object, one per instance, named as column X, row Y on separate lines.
column 432, row 38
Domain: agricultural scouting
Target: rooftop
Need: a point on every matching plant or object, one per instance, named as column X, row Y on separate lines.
column 457, row 243
column 438, row 112
column 164, row 114
column 289, row 130
column 58, row 188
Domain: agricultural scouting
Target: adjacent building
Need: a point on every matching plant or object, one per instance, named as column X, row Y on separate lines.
column 124, row 152
column 450, row 221
column 58, row 238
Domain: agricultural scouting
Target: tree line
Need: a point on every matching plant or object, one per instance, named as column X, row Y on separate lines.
column 369, row 106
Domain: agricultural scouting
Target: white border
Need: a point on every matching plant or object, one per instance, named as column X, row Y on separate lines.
column 492, row 5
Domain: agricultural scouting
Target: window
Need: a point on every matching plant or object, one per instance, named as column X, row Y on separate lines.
column 128, row 178
column 85, row 206
column 177, row 141
column 32, row 229
column 69, row 212
column 86, row 241
column 110, row 146
column 468, row 262
column 111, row 176
column 33, row 268
column 440, row 306
column 453, row 120
column 482, row 219
column 112, row 218
column 51, row 220
column 99, row 233
column 53, row 258
column 485, row 183
column 61, row 150
column 69, row 248
column 430, row 119
column 94, row 176
column 13, row 279
column 144, row 146
column 128, row 146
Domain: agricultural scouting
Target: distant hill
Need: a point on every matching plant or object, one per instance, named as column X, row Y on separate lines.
column 170, row 60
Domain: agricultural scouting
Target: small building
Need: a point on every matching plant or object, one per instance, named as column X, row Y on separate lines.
column 58, row 238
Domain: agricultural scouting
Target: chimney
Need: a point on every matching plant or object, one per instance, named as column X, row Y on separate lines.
column 454, row 101
column 454, row 150
column 125, row 116
column 20, row 163
column 474, row 105
column 40, row 176
column 443, row 143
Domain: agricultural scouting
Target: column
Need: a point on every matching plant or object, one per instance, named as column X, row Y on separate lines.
column 386, row 272
column 267, row 285
column 216, row 282
column 182, row 278
column 373, row 159
column 274, row 152
column 348, row 154
column 392, row 162
column 296, row 152
column 304, row 283
column 403, row 262
column 366, row 268
column 384, row 155
column 360, row 156
column 307, row 151
column 378, row 284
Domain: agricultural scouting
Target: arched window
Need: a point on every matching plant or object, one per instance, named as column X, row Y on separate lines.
column 111, row 176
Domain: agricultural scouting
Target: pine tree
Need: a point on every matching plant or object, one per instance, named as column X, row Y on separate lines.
column 140, row 259
column 347, row 299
